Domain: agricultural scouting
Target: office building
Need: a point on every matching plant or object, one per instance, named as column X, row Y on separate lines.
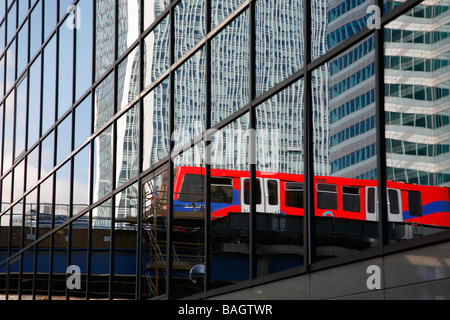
column 249, row 149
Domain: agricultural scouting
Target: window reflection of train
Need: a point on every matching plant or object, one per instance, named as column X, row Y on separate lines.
column 280, row 193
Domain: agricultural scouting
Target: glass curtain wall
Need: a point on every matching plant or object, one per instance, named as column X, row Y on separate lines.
column 170, row 149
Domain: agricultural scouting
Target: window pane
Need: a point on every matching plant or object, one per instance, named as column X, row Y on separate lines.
column 103, row 147
column 128, row 79
column 50, row 16
column 222, row 190
column 82, row 129
column 279, row 41
column 47, row 154
column 127, row 152
column 154, row 200
column 64, row 146
column 32, row 168
column 104, row 102
column 345, row 159
column 229, row 157
column 326, row 198
column 36, row 29
column 8, row 142
column 189, row 25
column 65, row 69
column 49, row 85
column 156, row 125
column 152, row 9
column 156, row 52
column 129, row 28
column 126, row 236
column 351, row 199
column 34, row 102
column 21, row 116
column 100, row 262
column 22, row 49
column 11, row 65
column 189, row 210
column 84, row 45
column 279, row 159
column 81, row 180
column 190, row 108
column 230, row 65
column 416, row 164
column 62, row 194
column 105, row 35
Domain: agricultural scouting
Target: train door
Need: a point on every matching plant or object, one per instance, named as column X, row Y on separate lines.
column 267, row 195
column 371, row 204
column 394, row 205
column 272, row 195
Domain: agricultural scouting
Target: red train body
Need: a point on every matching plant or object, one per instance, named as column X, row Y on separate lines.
column 280, row 193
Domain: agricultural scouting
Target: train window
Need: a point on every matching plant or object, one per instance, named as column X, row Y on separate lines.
column 294, row 194
column 350, row 199
column 371, row 201
column 327, row 196
column 393, row 202
column 192, row 188
column 247, row 191
column 415, row 203
column 272, row 186
column 221, row 190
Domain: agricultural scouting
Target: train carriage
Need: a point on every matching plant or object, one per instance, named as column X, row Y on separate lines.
column 280, row 193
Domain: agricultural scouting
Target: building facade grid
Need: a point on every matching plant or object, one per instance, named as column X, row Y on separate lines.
column 109, row 107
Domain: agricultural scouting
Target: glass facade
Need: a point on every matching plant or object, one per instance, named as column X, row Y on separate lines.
column 171, row 149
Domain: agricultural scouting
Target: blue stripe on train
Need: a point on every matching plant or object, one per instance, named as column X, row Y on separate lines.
column 183, row 206
column 434, row 207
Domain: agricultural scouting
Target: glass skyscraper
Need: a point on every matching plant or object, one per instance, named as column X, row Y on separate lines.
column 200, row 149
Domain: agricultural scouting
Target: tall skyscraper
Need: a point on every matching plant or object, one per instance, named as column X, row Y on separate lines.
column 417, row 90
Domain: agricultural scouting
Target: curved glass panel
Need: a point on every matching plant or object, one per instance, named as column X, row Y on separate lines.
column 345, row 158
column 280, row 168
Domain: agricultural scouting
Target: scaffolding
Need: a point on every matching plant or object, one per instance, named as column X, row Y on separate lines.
column 187, row 247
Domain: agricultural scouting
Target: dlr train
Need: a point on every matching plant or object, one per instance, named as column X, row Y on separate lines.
column 280, row 193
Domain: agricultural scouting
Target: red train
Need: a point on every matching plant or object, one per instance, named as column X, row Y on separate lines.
column 281, row 193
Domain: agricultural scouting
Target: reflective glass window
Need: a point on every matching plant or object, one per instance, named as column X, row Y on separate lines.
column 102, row 178
column 22, row 49
column 156, row 52
column 416, row 175
column 104, row 101
column 8, row 138
column 34, row 102
column 36, row 29
column 128, row 143
column 64, row 139
column 230, row 66
column 49, row 85
column 105, row 35
column 83, row 116
column 84, row 45
column 65, row 69
column 128, row 24
column 47, row 154
column 189, row 25
column 156, row 135
column 279, row 42
column 21, row 116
